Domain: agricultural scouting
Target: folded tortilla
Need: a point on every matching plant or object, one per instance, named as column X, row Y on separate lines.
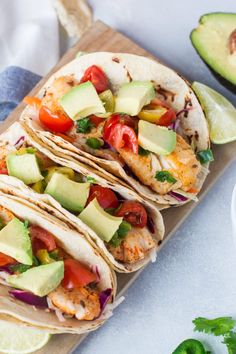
column 15, row 187
column 170, row 87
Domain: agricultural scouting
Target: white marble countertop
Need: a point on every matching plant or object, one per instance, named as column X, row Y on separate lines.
column 195, row 273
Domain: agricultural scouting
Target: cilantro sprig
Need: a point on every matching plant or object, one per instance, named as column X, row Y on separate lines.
column 218, row 326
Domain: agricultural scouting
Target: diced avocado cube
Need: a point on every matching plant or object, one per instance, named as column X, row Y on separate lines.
column 156, row 138
column 132, row 96
column 81, row 101
column 39, row 280
column 71, row 195
column 15, row 242
column 104, row 224
column 25, row 167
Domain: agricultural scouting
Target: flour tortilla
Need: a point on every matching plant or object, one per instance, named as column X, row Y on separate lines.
column 171, row 87
column 13, row 186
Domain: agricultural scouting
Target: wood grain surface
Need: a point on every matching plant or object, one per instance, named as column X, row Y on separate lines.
column 100, row 37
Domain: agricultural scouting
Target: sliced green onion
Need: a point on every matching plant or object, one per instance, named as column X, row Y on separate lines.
column 165, row 176
column 205, row 156
column 94, row 143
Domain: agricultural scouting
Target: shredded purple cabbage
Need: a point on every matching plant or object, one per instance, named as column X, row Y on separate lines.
column 178, row 196
column 29, row 298
column 104, row 297
column 150, row 224
column 19, row 142
column 7, row 269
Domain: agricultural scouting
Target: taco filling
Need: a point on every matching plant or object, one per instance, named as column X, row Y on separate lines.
column 125, row 226
column 134, row 126
column 40, row 273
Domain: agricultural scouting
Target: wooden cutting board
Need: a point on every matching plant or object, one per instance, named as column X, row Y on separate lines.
column 101, row 37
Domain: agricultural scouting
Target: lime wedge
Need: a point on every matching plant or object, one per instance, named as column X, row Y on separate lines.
column 220, row 114
column 17, row 339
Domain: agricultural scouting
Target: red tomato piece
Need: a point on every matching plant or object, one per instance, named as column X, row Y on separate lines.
column 4, row 259
column 3, row 167
column 114, row 119
column 96, row 120
column 134, row 213
column 98, row 78
column 76, row 275
column 122, row 136
column 56, row 122
column 41, row 239
column 168, row 117
column 105, row 197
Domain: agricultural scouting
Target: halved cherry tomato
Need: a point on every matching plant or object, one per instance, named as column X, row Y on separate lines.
column 41, row 239
column 76, row 275
column 3, row 167
column 56, row 122
column 96, row 120
column 105, row 197
column 4, row 259
column 98, row 78
column 117, row 118
column 122, row 136
column 33, row 101
column 134, row 213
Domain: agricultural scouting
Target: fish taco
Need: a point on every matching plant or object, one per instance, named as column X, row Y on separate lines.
column 133, row 117
column 118, row 222
column 50, row 276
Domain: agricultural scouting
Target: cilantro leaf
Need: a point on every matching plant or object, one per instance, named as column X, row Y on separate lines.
column 142, row 151
column 218, row 326
column 230, row 341
column 163, row 176
column 19, row 268
column 84, row 125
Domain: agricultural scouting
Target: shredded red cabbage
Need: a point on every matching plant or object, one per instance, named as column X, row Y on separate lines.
column 19, row 142
column 7, row 268
column 29, row 298
column 104, row 297
column 178, row 196
column 150, row 224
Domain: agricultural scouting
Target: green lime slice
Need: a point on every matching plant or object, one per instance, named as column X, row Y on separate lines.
column 17, row 339
column 220, row 114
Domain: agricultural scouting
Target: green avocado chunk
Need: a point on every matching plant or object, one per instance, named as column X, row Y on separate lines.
column 15, row 242
column 104, row 224
column 81, row 101
column 25, row 167
column 213, row 40
column 39, row 280
column 71, row 195
column 132, row 96
column 156, row 138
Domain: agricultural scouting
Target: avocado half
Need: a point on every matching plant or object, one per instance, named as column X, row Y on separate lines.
column 215, row 41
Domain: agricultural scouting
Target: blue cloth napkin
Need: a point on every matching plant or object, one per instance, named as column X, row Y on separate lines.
column 15, row 84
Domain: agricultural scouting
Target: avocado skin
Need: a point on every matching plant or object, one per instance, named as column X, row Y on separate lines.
column 221, row 79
